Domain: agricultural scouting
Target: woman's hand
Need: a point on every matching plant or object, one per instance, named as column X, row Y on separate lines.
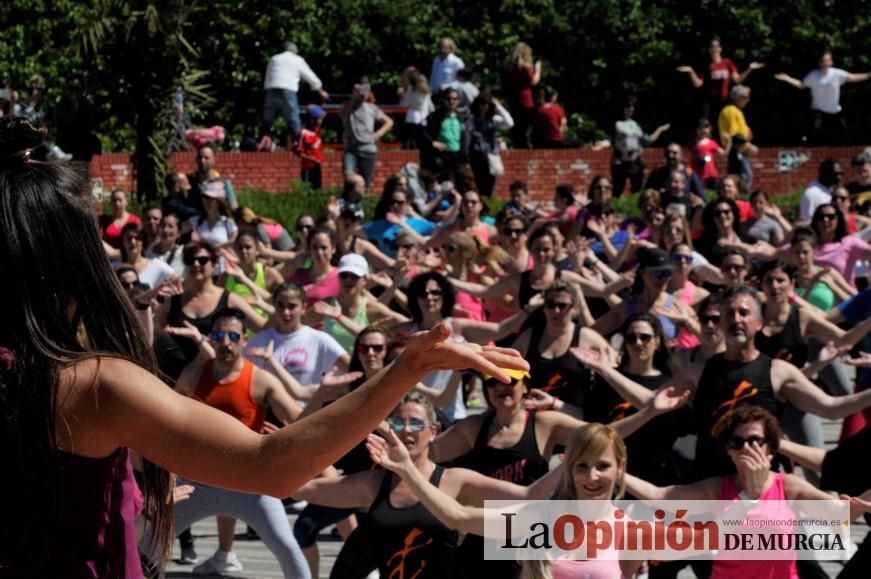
column 538, row 400
column 434, row 350
column 182, row 493
column 187, row 330
column 235, row 270
column 390, row 454
column 754, row 468
column 668, row 399
column 326, row 310
column 595, row 359
column 263, row 352
column 863, row 360
column 333, row 387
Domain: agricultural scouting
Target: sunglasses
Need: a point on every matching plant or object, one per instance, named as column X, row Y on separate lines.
column 128, row 284
column 366, row 348
column 721, row 212
column 435, row 293
column 304, row 227
column 133, row 237
column 397, row 201
column 218, row 336
column 638, row 338
column 709, row 319
column 493, row 383
column 348, row 275
column 554, row 305
column 679, row 258
column 828, row 216
column 412, row 424
column 735, row 442
column 511, row 231
column 200, row 259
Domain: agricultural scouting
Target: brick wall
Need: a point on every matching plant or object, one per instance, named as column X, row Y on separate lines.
column 542, row 169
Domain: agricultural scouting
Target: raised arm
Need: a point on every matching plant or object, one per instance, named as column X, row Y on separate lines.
column 792, row 81
column 707, row 489
column 696, row 79
column 207, row 445
column 794, row 386
column 858, row 76
column 740, row 78
column 483, row 332
column 506, row 285
column 806, row 456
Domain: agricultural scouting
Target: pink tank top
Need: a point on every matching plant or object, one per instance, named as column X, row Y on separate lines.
column 472, row 307
column 758, row 569
column 685, row 339
column 595, row 569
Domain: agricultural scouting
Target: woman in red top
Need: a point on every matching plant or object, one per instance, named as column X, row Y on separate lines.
column 549, row 122
column 111, row 225
column 520, row 76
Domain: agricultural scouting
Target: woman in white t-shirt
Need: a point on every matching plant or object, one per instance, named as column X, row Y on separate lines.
column 415, row 96
column 214, row 224
column 151, row 271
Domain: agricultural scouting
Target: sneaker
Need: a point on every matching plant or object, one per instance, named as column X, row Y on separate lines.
column 219, row 563
column 188, row 556
column 295, row 507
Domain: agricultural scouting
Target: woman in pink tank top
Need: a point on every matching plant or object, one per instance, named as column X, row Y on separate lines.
column 684, row 290
column 750, row 436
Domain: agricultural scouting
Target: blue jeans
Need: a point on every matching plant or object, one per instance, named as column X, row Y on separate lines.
column 278, row 101
column 739, row 164
column 362, row 163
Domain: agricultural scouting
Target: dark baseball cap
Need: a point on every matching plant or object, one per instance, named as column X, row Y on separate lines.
column 654, row 259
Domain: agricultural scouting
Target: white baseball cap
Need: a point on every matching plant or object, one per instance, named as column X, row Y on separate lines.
column 354, row 263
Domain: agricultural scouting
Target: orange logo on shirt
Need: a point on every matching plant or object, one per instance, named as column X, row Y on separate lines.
column 620, row 411
column 399, row 571
column 743, row 391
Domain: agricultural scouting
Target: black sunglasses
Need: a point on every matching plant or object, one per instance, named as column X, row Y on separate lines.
column 735, row 442
column 304, row 227
column 366, row 348
column 638, row 338
column 509, row 231
column 828, row 216
column 436, row 293
column 348, row 275
column 218, row 336
column 708, row 319
column 200, row 259
column 554, row 305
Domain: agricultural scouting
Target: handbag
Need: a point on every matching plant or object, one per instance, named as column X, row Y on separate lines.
column 494, row 163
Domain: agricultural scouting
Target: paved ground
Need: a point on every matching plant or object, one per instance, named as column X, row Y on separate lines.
column 259, row 563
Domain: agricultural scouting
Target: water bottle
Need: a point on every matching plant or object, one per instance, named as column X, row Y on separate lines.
column 861, row 273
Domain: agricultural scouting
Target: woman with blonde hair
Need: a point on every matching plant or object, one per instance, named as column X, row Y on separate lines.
column 594, row 468
column 520, row 75
column 414, row 95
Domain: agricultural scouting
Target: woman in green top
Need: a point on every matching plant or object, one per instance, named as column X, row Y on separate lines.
column 248, row 277
column 354, row 308
column 820, row 287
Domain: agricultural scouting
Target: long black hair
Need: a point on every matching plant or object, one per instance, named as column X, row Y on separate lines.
column 59, row 308
column 840, row 230
column 416, row 290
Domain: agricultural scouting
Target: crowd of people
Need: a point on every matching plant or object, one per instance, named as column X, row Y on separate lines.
column 688, row 353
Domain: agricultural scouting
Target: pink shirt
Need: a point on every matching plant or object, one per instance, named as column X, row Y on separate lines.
column 843, row 255
column 315, row 292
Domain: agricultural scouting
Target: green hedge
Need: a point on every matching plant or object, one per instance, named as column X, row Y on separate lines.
column 286, row 207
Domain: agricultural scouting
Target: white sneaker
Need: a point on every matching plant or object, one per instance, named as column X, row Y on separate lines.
column 219, row 563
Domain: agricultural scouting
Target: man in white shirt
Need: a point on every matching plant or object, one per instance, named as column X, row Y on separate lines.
column 283, row 74
column 828, row 126
column 444, row 66
column 830, row 176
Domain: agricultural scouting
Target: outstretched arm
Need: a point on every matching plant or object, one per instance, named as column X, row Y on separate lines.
column 792, row 81
column 792, row 385
column 205, row 444
column 696, row 79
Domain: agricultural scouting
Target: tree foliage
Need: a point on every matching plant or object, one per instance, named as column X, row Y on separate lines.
column 594, row 52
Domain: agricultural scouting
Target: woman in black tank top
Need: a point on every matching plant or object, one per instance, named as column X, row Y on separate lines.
column 546, row 346
column 201, row 296
column 411, row 542
column 645, row 360
column 787, row 326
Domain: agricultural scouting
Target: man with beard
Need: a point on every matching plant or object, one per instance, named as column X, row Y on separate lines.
column 220, row 377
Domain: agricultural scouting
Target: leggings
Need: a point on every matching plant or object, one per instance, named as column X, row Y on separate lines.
column 264, row 514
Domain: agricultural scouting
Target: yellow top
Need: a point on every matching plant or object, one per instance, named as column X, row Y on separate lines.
column 732, row 122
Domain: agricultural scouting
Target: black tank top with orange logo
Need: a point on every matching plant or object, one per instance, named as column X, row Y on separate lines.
column 414, row 544
column 724, row 386
column 788, row 344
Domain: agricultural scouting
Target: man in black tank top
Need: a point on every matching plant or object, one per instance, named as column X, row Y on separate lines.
column 743, row 375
